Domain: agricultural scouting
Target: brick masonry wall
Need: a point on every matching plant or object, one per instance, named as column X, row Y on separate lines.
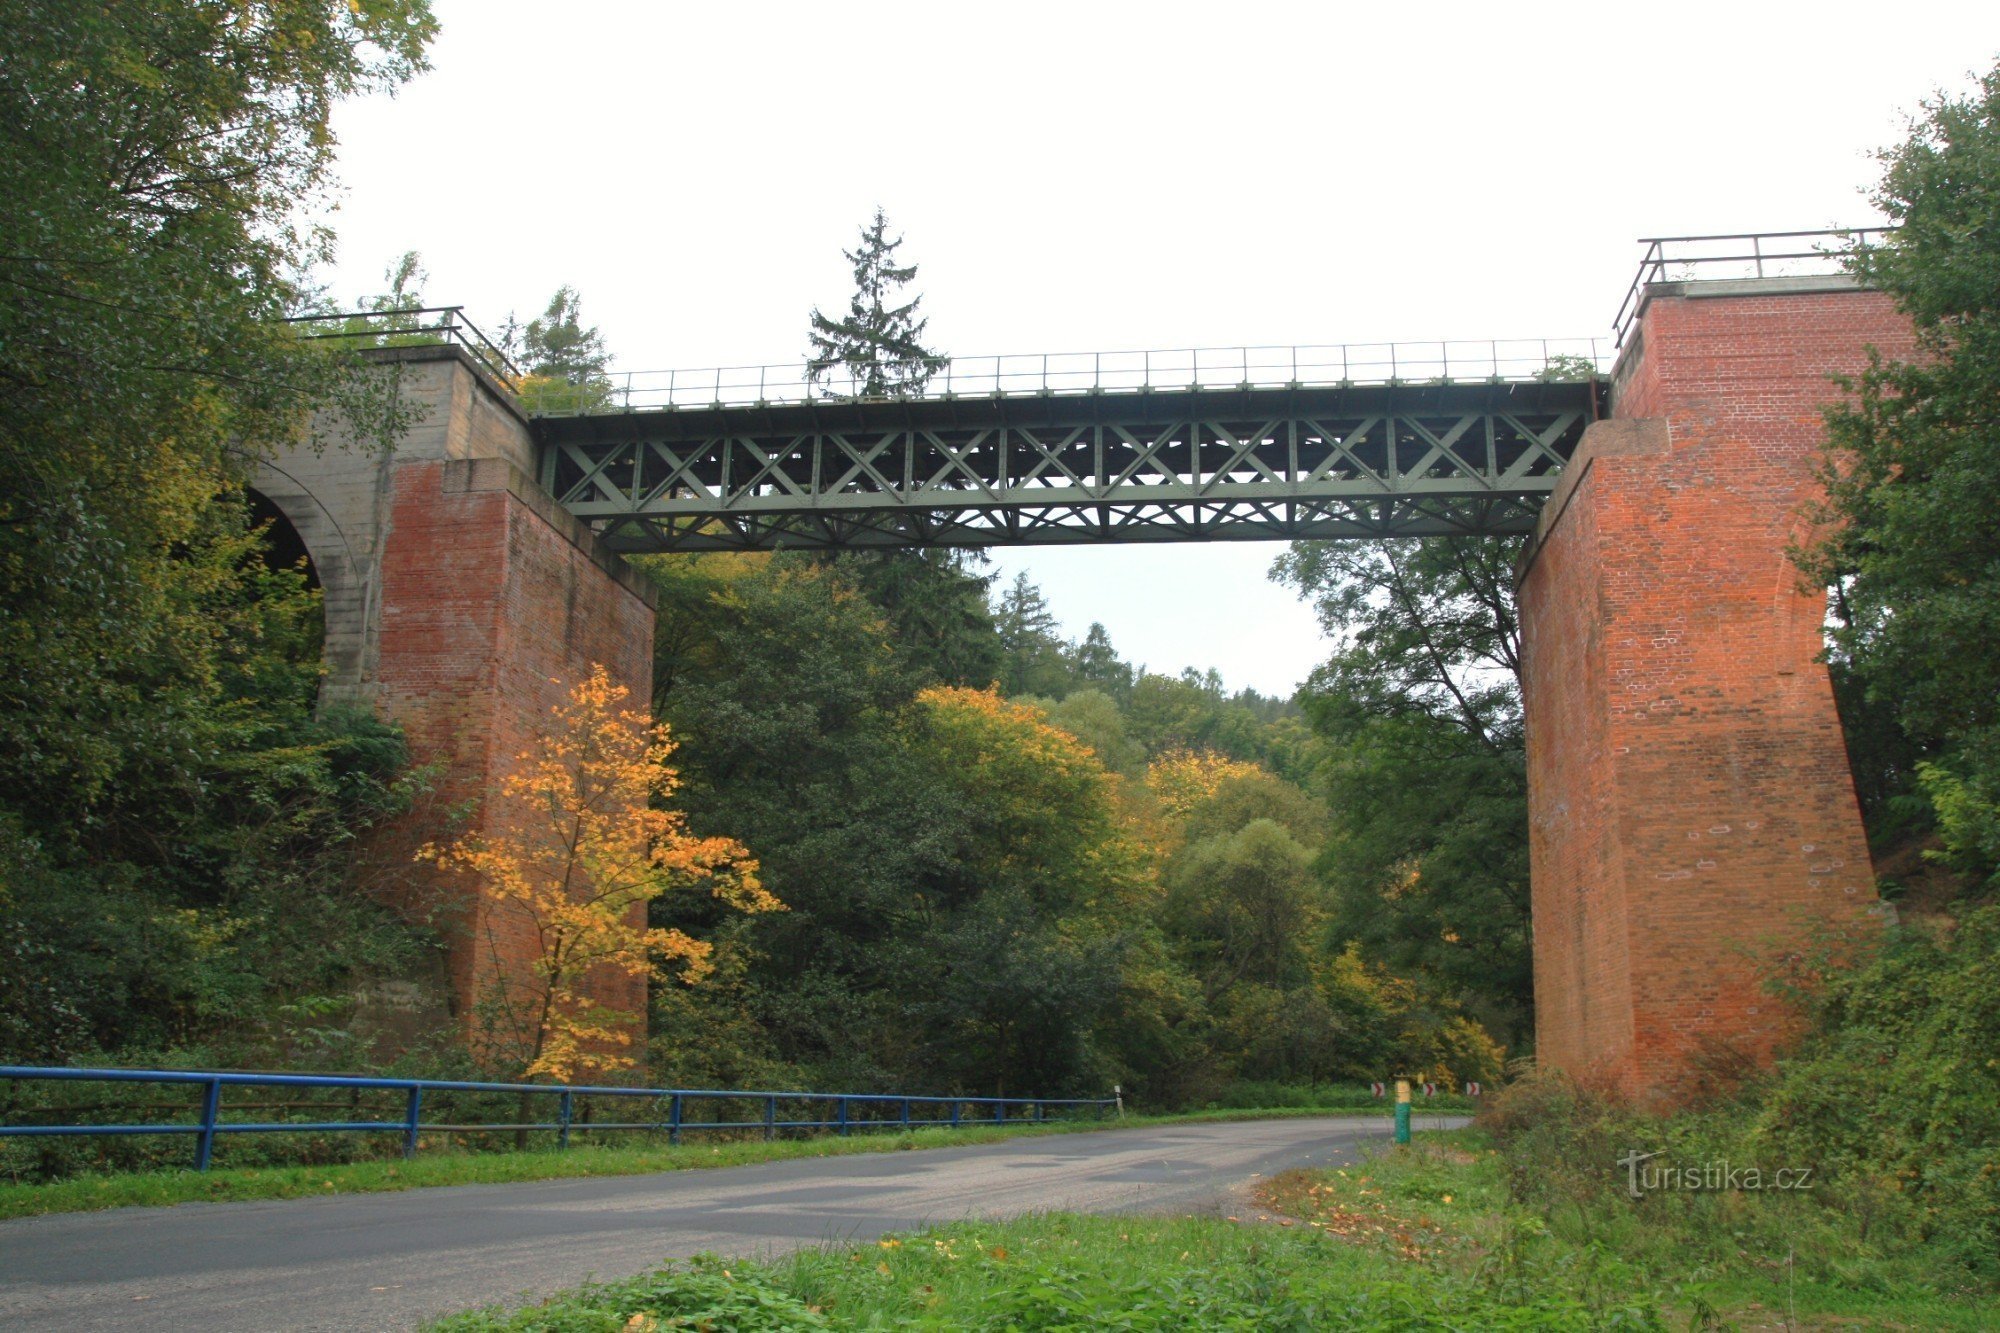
column 1692, row 814
column 491, row 609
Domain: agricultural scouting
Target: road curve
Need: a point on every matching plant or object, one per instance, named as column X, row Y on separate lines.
column 389, row 1261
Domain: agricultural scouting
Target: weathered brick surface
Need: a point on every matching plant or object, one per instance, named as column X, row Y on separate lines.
column 461, row 601
column 1692, row 813
column 489, row 614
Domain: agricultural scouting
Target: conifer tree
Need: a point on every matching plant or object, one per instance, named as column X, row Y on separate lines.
column 877, row 351
column 556, row 343
column 565, row 362
column 1097, row 663
column 1031, row 654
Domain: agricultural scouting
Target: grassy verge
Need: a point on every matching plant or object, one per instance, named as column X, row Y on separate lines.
column 87, row 1193
column 1424, row 1239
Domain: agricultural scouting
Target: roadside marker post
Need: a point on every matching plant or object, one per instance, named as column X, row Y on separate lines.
column 1403, row 1111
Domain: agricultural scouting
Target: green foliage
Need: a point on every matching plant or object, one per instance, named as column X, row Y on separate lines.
column 1842, row 1244
column 703, row 1294
column 566, row 363
column 984, row 892
column 1244, row 903
column 1094, row 718
column 1913, row 482
column 1031, row 656
column 173, row 813
column 1419, row 714
column 184, row 876
column 939, row 623
column 1897, row 1096
column 1567, row 367
column 877, row 351
column 1062, row 1271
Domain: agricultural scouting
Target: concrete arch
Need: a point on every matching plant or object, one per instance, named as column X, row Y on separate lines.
column 343, row 561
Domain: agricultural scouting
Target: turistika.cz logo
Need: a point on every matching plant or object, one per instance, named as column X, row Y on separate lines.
column 1641, row 1177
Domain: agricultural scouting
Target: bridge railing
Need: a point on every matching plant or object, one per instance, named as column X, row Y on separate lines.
column 421, row 326
column 1766, row 254
column 1017, row 374
column 1026, row 374
column 566, row 1109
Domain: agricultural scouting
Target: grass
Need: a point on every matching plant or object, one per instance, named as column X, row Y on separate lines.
column 1421, row 1239
column 87, row 1193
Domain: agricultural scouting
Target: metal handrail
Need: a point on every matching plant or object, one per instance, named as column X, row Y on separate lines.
column 450, row 327
column 1005, row 375
column 1682, row 255
column 411, row 1124
column 1051, row 374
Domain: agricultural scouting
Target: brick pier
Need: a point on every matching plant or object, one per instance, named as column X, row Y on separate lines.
column 462, row 602
column 1692, row 815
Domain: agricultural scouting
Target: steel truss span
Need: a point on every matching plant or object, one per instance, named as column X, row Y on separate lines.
column 1207, row 465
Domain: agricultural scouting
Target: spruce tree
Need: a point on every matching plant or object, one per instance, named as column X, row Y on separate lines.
column 1031, row 654
column 565, row 363
column 556, row 343
column 877, row 351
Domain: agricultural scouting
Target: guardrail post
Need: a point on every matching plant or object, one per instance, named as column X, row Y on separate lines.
column 906, row 1113
column 841, row 1115
column 674, row 1119
column 954, row 1115
column 562, row 1119
column 1000, row 1113
column 770, row 1118
column 1038, row 1113
column 211, row 1108
column 412, row 1110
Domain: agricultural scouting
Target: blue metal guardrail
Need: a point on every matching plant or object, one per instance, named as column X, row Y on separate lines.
column 946, row 1111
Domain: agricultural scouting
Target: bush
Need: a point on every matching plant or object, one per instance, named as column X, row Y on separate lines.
column 1897, row 1096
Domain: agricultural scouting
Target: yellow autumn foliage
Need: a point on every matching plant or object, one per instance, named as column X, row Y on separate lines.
column 581, row 843
column 1182, row 779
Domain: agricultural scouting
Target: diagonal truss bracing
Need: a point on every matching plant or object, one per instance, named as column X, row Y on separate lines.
column 1378, row 460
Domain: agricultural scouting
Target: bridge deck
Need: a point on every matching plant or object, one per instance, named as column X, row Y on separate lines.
column 1156, row 465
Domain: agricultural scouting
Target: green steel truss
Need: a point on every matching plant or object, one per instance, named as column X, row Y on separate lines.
column 1196, row 465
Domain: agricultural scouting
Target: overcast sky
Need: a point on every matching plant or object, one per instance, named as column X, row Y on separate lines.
column 1097, row 176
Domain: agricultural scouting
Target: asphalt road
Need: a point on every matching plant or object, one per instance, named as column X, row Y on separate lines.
column 389, row 1261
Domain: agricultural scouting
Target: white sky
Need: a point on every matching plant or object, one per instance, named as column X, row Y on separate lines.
column 1098, row 176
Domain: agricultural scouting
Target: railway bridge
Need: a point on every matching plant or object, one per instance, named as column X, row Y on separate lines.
column 1693, row 818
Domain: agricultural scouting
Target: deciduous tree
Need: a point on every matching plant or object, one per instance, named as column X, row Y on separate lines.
column 582, row 840
column 1913, row 482
column 1424, row 768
